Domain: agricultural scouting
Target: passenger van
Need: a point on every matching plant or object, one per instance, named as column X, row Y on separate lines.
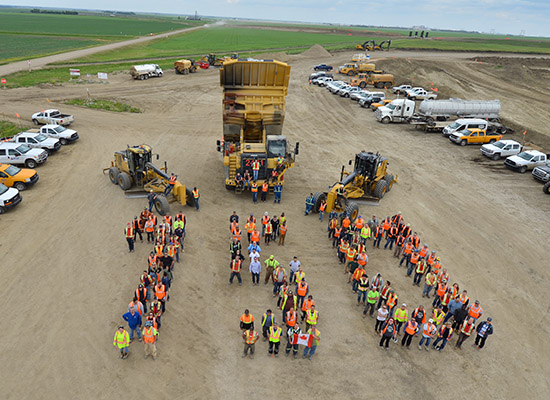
column 465, row 123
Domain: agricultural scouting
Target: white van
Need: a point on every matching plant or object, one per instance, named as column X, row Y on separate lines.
column 465, row 123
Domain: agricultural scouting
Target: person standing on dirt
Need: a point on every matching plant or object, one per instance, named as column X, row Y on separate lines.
column 294, row 266
column 388, row 331
column 255, row 270
column 283, row 228
column 274, row 339
column 235, row 267
column 137, row 229
column 265, row 189
column 247, row 321
column 267, row 321
column 465, row 332
column 234, row 218
column 484, row 329
column 277, row 191
column 381, row 317
column 122, row 342
column 279, row 277
column 250, row 338
column 444, row 335
column 150, row 335
column 246, row 179
column 316, row 335
column 254, row 190
column 134, row 323
column 196, row 196
column 270, row 265
column 151, row 197
column 129, row 232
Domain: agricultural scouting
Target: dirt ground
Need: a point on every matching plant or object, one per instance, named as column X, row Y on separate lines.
column 68, row 276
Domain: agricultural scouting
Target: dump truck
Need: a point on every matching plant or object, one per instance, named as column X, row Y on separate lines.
column 253, row 110
column 133, row 170
column 369, row 180
column 378, row 80
column 405, row 110
column 354, row 69
column 185, row 66
column 145, row 71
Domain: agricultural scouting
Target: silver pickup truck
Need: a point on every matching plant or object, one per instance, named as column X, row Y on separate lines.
column 53, row 117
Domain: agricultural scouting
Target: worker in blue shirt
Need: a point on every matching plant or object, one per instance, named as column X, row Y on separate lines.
column 134, row 323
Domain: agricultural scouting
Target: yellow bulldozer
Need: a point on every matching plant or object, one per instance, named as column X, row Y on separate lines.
column 133, row 170
column 370, row 180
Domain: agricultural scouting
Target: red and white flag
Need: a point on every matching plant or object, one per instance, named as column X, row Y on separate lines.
column 304, row 339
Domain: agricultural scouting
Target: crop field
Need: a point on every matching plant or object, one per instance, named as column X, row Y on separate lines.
column 223, row 40
column 26, row 35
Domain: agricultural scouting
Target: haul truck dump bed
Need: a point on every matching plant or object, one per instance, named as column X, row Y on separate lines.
column 253, row 104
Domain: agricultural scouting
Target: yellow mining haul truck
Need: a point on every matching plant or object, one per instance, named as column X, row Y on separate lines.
column 354, row 69
column 253, row 105
column 185, row 66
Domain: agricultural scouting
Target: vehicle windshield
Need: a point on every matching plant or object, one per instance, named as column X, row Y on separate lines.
column 454, row 125
column 55, row 114
column 40, row 138
column 526, row 156
column 3, row 189
column 390, row 106
column 464, row 132
column 23, row 148
column 59, row 129
column 500, row 145
column 12, row 170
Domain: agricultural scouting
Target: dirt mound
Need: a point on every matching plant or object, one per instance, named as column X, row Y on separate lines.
column 316, row 51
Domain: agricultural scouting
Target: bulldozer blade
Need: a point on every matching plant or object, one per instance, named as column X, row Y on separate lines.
column 135, row 194
column 368, row 201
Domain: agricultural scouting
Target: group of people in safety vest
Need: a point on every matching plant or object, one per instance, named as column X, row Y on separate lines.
column 291, row 290
column 149, row 300
column 451, row 310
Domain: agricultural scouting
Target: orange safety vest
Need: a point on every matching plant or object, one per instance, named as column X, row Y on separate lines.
column 291, row 317
column 392, row 232
column 144, row 294
column 160, row 291
column 171, row 250
column 415, row 257
column 392, row 300
column 250, row 227
column 359, row 223
column 415, row 241
column 346, row 222
column 173, row 180
column 247, row 320
column 358, row 273
column 152, row 260
column 411, row 327
column 154, row 218
column 149, row 335
column 306, row 305
column 302, row 288
column 454, row 292
column 386, row 224
column 408, row 248
column 233, row 226
column 416, row 311
column 168, row 220
column 474, row 311
column 149, row 227
column 250, row 337
column 129, row 232
column 446, row 299
column 423, row 251
column 236, row 265
column 431, row 259
column 265, row 187
column 441, row 277
column 436, row 266
column 428, row 329
column 265, row 220
column 467, row 328
column 400, row 240
column 350, row 254
column 333, row 223
column 254, row 188
column 362, row 259
column 337, row 232
column 159, row 248
column 397, row 219
column 255, row 236
column 283, row 229
column 156, row 308
column 237, row 235
column 464, row 298
column 322, row 206
column 384, row 292
column 196, row 194
column 153, row 321
column 344, row 246
column 441, row 289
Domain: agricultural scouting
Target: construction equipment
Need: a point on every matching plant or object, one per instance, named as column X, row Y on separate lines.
column 384, row 45
column 133, row 167
column 378, row 80
column 369, row 45
column 185, row 66
column 354, row 69
column 254, row 94
column 370, row 180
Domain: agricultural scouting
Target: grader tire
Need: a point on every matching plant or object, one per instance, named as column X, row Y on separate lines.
column 190, row 199
column 352, row 210
column 546, row 188
column 380, row 189
column 161, row 205
column 389, row 180
column 113, row 175
column 124, row 181
column 317, row 198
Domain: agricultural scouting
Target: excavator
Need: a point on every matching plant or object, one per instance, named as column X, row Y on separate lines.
column 370, row 45
column 370, row 180
column 133, row 168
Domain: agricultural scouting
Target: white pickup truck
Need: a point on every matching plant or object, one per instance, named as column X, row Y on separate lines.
column 64, row 135
column 526, row 160
column 401, row 89
column 9, row 197
column 421, row 94
column 21, row 154
column 502, row 148
column 37, row 141
column 53, row 117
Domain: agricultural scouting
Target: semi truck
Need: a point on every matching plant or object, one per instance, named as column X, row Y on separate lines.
column 253, row 110
column 145, row 71
column 405, row 110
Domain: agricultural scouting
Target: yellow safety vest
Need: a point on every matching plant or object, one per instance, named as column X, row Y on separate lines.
column 275, row 334
column 121, row 340
column 312, row 317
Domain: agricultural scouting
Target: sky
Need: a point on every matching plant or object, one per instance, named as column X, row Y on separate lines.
column 500, row 16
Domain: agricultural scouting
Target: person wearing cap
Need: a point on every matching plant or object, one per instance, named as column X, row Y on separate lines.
column 444, row 335
column 401, row 316
column 270, row 264
column 475, row 311
column 428, row 332
column 151, row 197
column 250, row 337
column 279, row 277
column 150, row 335
column 265, row 220
column 129, row 233
column 322, row 208
column 466, row 330
column 372, row 223
column 484, row 329
column 234, row 218
column 247, row 320
column 309, row 204
column 134, row 323
column 122, row 341
column 138, row 228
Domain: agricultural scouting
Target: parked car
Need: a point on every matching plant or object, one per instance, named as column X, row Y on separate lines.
column 64, row 135
column 373, row 97
column 334, row 86
column 52, row 117
column 359, row 95
column 542, row 173
column 18, row 153
column 381, row 103
column 323, row 67
column 37, row 140
column 319, row 74
column 422, row 94
column 473, row 136
column 465, row 123
column 19, row 178
column 9, row 198
column 347, row 91
column 526, row 160
column 502, row 148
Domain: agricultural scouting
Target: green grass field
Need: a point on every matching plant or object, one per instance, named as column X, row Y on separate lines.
column 107, row 105
column 24, row 35
column 8, row 129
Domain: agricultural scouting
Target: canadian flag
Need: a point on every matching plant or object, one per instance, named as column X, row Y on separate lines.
column 304, row 339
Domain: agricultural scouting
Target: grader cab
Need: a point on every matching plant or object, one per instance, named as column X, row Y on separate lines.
column 370, row 180
column 133, row 170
